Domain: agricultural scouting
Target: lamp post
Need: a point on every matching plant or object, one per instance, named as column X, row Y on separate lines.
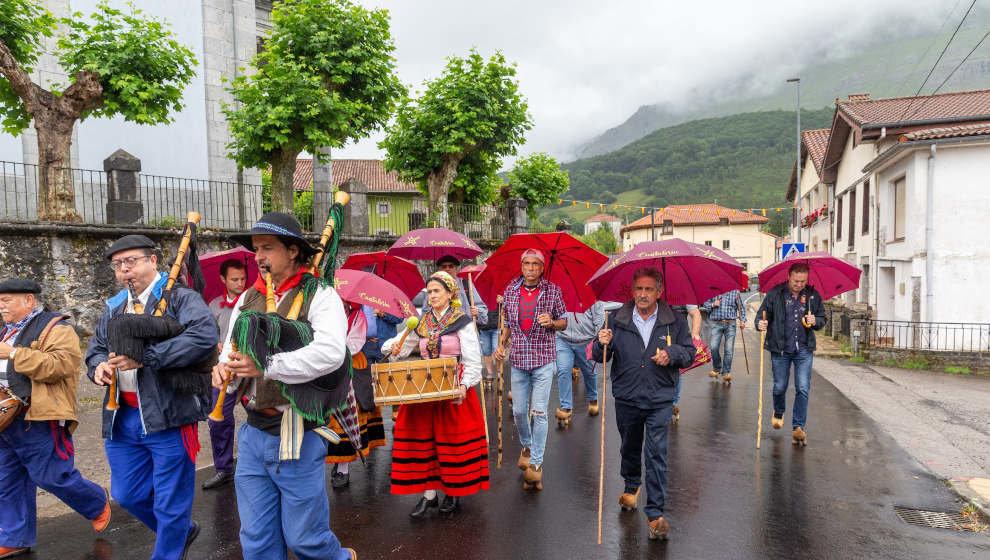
column 798, row 187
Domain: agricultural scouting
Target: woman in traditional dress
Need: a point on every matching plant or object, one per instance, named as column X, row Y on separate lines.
column 441, row 445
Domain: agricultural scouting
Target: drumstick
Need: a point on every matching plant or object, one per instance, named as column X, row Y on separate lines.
column 759, row 413
column 601, row 470
column 411, row 324
column 484, row 408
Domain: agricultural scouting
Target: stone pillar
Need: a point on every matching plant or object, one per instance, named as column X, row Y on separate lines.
column 355, row 211
column 123, row 198
column 516, row 209
column 322, row 190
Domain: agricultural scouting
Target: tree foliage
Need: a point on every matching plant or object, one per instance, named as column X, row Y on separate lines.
column 602, row 240
column 325, row 77
column 539, row 180
column 451, row 140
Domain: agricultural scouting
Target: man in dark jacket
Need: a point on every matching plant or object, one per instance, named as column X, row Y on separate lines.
column 151, row 441
column 648, row 343
column 791, row 313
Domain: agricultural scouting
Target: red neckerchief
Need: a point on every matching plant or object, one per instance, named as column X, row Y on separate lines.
column 291, row 282
column 231, row 303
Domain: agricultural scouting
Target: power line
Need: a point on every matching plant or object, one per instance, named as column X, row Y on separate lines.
column 930, row 45
column 939, row 59
column 952, row 72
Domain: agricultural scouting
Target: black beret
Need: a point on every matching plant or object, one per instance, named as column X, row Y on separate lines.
column 449, row 258
column 130, row 242
column 19, row 286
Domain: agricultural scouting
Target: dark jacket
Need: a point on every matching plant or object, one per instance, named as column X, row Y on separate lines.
column 161, row 407
column 775, row 308
column 636, row 379
column 385, row 328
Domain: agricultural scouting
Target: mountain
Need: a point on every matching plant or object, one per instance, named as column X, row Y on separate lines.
column 742, row 161
column 890, row 67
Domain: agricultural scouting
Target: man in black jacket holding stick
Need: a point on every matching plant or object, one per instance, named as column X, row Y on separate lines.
column 648, row 344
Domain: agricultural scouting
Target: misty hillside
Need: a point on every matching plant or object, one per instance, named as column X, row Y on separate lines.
column 743, row 161
column 888, row 69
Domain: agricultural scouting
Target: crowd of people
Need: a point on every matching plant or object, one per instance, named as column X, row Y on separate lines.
column 439, row 448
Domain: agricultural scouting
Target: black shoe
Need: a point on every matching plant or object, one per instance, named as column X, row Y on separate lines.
column 339, row 479
column 450, row 504
column 193, row 533
column 218, row 480
column 423, row 507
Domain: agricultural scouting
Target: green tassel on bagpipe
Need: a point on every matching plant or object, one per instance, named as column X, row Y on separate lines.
column 329, row 262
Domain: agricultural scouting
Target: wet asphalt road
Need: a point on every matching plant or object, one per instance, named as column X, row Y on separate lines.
column 725, row 499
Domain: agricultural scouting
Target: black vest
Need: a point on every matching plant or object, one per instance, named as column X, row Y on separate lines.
column 19, row 383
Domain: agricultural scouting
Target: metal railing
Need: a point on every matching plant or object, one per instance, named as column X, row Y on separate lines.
column 393, row 215
column 916, row 335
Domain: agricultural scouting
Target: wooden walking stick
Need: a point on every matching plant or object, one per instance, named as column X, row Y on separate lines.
column 484, row 408
column 601, row 470
column 759, row 413
column 498, row 373
column 743, row 335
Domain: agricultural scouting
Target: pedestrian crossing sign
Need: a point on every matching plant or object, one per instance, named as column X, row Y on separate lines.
column 788, row 249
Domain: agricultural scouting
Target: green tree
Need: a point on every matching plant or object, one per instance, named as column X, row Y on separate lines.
column 325, row 77
column 539, row 180
column 601, row 240
column 119, row 64
column 451, row 140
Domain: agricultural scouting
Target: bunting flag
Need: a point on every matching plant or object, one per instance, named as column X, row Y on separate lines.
column 703, row 211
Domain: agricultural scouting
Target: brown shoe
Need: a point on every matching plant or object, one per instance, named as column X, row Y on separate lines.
column 533, row 477
column 727, row 377
column 713, row 373
column 659, row 529
column 628, row 501
column 523, row 463
column 10, row 552
column 677, row 413
column 353, row 553
column 799, row 437
column 777, row 422
column 102, row 520
column 592, row 408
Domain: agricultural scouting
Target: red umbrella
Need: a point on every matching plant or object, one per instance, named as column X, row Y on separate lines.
column 432, row 243
column 471, row 270
column 692, row 273
column 396, row 270
column 364, row 288
column 210, row 263
column 569, row 264
column 829, row 275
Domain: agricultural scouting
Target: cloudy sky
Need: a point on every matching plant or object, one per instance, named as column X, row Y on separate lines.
column 585, row 65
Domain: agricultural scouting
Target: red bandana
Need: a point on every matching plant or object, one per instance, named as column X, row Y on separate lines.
column 292, row 282
column 225, row 303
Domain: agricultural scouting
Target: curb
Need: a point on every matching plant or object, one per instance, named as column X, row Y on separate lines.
column 959, row 485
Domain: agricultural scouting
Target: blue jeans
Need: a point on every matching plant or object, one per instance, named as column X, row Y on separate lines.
column 489, row 340
column 567, row 356
column 632, row 421
column 781, row 364
column 153, row 478
column 723, row 330
column 283, row 503
column 536, row 382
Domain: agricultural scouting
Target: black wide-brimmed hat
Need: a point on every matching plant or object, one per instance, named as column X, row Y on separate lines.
column 130, row 242
column 280, row 224
column 19, row 286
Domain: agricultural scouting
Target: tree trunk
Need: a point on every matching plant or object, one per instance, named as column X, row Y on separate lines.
column 283, row 191
column 56, row 196
column 439, row 182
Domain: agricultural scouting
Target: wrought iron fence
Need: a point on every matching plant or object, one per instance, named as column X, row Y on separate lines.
column 393, row 215
column 916, row 335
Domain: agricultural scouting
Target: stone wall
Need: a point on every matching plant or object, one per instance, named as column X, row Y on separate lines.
column 68, row 260
column 937, row 360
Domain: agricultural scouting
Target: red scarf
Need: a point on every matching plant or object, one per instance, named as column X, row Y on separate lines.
column 231, row 303
column 291, row 282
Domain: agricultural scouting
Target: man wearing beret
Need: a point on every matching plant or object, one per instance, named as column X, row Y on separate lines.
column 151, row 441
column 39, row 369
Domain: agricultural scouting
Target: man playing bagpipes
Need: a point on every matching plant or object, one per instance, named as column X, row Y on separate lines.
column 39, row 370
column 156, row 362
column 286, row 353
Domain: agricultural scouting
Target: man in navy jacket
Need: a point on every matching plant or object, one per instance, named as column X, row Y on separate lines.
column 648, row 344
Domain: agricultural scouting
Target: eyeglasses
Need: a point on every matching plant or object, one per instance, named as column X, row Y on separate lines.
column 128, row 262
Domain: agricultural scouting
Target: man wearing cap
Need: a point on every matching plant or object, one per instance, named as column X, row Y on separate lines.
column 283, row 503
column 233, row 273
column 151, row 441
column 534, row 312
column 450, row 264
column 39, row 365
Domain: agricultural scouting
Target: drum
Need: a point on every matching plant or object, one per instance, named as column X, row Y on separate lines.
column 416, row 381
column 10, row 407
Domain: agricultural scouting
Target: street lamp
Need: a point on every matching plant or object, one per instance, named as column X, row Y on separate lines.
column 797, row 196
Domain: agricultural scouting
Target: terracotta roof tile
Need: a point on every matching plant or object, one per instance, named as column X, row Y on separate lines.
column 371, row 172
column 961, row 105
column 816, row 141
column 974, row 129
column 697, row 215
column 603, row 218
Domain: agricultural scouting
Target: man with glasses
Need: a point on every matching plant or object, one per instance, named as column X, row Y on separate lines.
column 151, row 441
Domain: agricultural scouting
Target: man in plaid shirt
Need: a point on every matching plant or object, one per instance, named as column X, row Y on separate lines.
column 725, row 313
column 534, row 311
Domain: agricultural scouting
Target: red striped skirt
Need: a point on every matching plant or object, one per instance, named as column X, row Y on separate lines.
column 440, row 446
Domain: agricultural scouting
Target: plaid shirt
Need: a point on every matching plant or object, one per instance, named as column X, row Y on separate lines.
column 727, row 309
column 540, row 347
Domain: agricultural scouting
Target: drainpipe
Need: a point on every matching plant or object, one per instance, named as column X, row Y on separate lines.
column 929, row 232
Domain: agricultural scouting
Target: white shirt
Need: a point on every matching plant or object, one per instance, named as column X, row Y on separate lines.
column 645, row 326
column 127, row 379
column 470, row 351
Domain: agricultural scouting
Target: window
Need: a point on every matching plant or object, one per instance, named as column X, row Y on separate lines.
column 668, row 227
column 723, row 221
column 852, row 216
column 709, row 243
column 900, row 196
column 745, row 266
column 384, row 208
column 866, row 207
column 838, row 221
column 725, row 244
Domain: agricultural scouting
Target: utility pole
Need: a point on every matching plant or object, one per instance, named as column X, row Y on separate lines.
column 797, row 196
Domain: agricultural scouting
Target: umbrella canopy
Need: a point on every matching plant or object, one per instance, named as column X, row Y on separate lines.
column 210, row 263
column 569, row 264
column 472, row 270
column 364, row 288
column 692, row 273
column 432, row 243
column 829, row 275
column 395, row 270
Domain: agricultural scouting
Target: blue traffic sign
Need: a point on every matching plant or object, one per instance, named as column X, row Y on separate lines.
column 788, row 249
